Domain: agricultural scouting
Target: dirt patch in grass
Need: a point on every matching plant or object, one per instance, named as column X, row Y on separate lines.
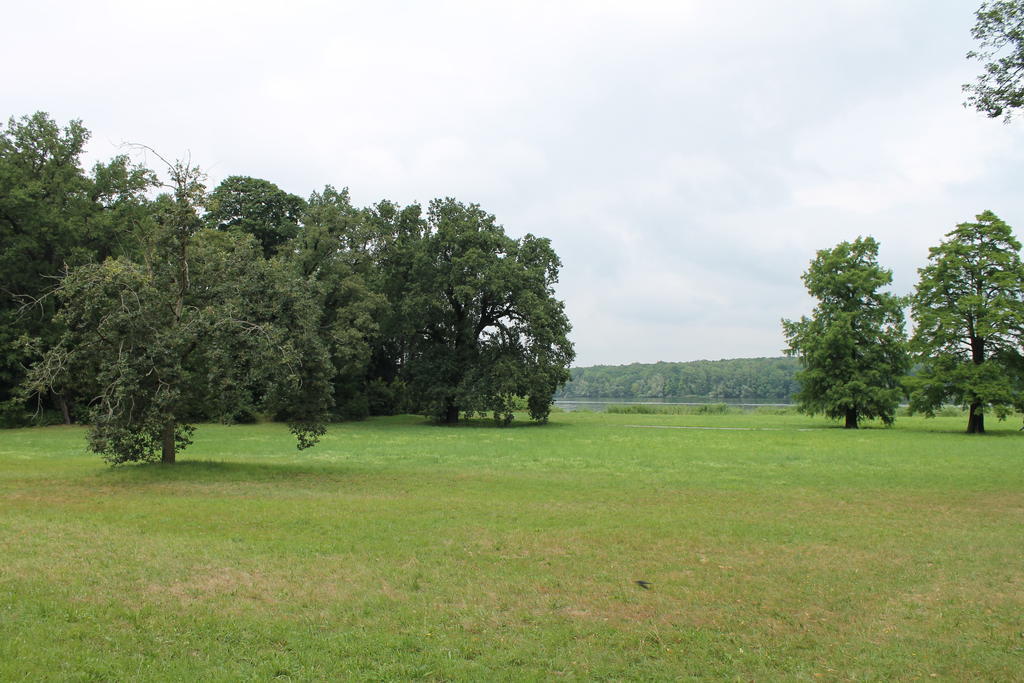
column 204, row 584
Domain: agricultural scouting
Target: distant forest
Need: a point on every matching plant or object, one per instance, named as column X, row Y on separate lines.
column 726, row 379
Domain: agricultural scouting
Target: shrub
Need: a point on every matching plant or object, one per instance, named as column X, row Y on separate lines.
column 13, row 414
column 775, row 410
column 385, row 398
column 674, row 409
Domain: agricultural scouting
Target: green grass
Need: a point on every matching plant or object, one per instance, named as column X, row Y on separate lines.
column 782, row 549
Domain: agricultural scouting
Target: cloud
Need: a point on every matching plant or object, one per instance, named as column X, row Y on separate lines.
column 905, row 150
column 686, row 158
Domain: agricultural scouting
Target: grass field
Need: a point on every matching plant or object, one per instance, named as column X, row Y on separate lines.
column 780, row 548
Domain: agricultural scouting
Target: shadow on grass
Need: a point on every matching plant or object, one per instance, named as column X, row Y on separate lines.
column 213, row 471
column 489, row 423
column 989, row 434
column 993, row 432
column 408, row 421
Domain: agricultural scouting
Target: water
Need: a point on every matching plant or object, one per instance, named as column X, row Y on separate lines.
column 599, row 405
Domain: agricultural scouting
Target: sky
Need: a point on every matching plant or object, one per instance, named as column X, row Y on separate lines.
column 686, row 158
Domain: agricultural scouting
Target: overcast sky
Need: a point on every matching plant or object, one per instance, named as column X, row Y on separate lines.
column 686, row 158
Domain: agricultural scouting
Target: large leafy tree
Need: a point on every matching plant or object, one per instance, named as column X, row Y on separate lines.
column 969, row 315
column 199, row 325
column 330, row 251
column 255, row 206
column 53, row 214
column 322, row 240
column 486, row 328
column 999, row 30
column 394, row 235
column 853, row 347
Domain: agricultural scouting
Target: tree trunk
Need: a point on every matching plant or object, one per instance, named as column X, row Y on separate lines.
column 851, row 419
column 64, row 409
column 976, row 420
column 167, row 455
column 451, row 413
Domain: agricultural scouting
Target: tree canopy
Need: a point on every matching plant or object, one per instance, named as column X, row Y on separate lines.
column 257, row 207
column 968, row 310
column 485, row 325
column 350, row 308
column 853, row 347
column 200, row 325
column 52, row 215
column 999, row 30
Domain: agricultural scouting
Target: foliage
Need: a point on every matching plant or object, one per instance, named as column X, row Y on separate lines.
column 326, row 252
column 390, row 239
column 999, row 29
column 52, row 215
column 257, row 207
column 732, row 379
column 151, row 314
column 969, row 315
column 674, row 409
column 853, row 347
column 386, row 398
column 201, row 325
column 486, row 327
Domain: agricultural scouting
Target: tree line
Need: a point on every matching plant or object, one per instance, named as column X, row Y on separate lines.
column 737, row 378
column 141, row 302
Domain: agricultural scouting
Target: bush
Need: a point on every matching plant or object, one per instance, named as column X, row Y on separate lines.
column 775, row 410
column 385, row 398
column 716, row 409
column 674, row 409
column 356, row 407
column 245, row 416
column 13, row 414
column 944, row 411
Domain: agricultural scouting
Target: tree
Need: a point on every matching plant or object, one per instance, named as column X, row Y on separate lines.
column 394, row 234
column 330, row 251
column 485, row 326
column 999, row 28
column 52, row 215
column 257, row 207
column 853, row 348
column 201, row 324
column 969, row 314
